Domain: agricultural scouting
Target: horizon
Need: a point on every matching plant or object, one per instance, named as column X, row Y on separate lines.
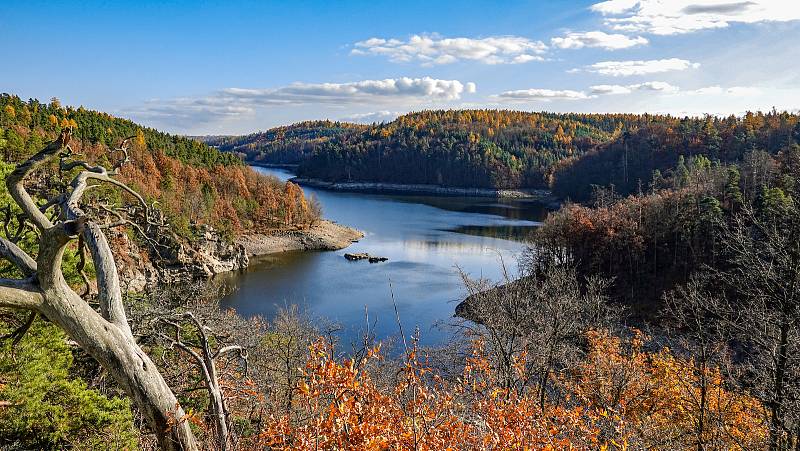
column 232, row 69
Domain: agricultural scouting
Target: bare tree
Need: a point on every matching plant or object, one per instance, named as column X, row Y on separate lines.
column 206, row 358
column 105, row 335
column 698, row 330
column 763, row 310
column 542, row 317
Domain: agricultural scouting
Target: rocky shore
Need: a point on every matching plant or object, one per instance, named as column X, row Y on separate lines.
column 397, row 188
column 323, row 236
column 211, row 254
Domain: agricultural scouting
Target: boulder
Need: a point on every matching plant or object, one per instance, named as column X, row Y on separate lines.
column 356, row 257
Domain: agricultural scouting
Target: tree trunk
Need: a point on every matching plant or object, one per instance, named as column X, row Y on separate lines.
column 106, row 336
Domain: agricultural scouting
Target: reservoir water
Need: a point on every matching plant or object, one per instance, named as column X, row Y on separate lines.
column 425, row 239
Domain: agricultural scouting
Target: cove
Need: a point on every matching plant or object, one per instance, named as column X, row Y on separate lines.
column 425, row 238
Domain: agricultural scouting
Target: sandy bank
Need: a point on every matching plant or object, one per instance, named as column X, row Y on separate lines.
column 324, row 236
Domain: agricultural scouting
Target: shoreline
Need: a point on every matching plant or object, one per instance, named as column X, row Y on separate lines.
column 273, row 165
column 324, row 236
column 542, row 195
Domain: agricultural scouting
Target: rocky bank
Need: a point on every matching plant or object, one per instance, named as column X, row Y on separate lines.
column 323, row 236
column 211, row 254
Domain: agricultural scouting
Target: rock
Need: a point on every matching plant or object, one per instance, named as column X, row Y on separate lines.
column 323, row 236
column 210, row 254
column 356, row 257
column 365, row 256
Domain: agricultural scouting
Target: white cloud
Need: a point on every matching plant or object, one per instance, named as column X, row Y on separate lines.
column 597, row 39
column 546, row 95
column 614, row 6
column 610, row 89
column 426, row 88
column 240, row 102
column 629, row 68
column 433, row 49
column 685, row 16
column 658, row 86
column 528, row 95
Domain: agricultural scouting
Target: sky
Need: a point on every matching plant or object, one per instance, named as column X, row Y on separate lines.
column 234, row 67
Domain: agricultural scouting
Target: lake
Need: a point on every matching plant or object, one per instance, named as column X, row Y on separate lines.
column 425, row 238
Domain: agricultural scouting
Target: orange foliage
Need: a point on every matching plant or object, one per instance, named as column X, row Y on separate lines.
column 620, row 397
column 660, row 398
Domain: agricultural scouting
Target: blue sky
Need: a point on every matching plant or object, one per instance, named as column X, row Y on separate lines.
column 237, row 67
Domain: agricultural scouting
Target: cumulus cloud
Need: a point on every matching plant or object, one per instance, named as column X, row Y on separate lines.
column 433, row 49
column 238, row 102
column 528, row 95
column 686, row 16
column 597, row 39
column 629, row 68
column 658, row 86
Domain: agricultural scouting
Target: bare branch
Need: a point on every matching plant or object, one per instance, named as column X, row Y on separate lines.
column 108, row 283
column 80, row 185
column 18, row 257
column 15, row 180
column 20, row 332
column 20, row 294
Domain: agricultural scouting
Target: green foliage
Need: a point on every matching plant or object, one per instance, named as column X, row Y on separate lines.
column 484, row 148
column 652, row 143
column 49, row 409
column 96, row 128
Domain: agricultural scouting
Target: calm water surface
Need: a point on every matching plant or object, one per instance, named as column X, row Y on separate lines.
column 425, row 238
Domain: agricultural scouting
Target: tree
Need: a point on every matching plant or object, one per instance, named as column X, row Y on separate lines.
column 762, row 308
column 105, row 335
column 196, row 339
column 542, row 316
column 10, row 114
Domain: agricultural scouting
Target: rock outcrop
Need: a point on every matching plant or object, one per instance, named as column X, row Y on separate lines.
column 178, row 260
column 141, row 265
column 322, row 236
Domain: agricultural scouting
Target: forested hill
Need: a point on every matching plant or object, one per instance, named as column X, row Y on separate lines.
column 283, row 145
column 508, row 149
column 485, row 148
column 642, row 154
column 192, row 182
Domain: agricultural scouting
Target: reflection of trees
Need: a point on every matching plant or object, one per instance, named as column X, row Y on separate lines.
column 515, row 233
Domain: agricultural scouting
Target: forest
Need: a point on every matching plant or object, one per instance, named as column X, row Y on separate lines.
column 658, row 311
column 191, row 182
column 510, row 149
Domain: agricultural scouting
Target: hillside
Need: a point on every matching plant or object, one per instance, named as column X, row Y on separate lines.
column 645, row 150
column 191, row 182
column 289, row 144
column 567, row 153
column 468, row 148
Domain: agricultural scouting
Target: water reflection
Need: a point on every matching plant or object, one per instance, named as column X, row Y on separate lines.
column 424, row 239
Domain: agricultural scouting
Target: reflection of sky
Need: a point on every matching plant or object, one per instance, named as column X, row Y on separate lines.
column 422, row 252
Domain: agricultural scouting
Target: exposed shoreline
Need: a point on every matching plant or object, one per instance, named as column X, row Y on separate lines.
column 323, row 236
column 273, row 165
column 542, row 195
